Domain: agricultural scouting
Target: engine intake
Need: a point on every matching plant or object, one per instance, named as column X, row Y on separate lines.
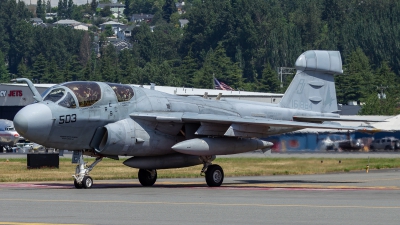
column 114, row 138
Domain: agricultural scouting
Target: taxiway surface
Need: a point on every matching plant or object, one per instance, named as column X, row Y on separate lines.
column 343, row 198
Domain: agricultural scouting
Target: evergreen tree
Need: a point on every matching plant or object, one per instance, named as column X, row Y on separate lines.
column 70, row 9
column 52, row 74
column 109, row 64
column 93, row 6
column 40, row 9
column 268, row 81
column 380, row 106
column 357, row 81
column 106, row 11
column 72, row 69
column 39, row 68
column 127, row 10
column 187, row 70
column 4, row 76
column 60, row 9
column 225, row 70
column 48, row 6
column 168, row 9
column 23, row 71
column 203, row 78
column 108, row 31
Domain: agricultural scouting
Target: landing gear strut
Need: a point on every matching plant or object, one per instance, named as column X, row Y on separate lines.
column 213, row 172
column 147, row 177
column 81, row 177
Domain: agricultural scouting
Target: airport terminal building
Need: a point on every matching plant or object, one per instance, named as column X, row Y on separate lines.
column 14, row 96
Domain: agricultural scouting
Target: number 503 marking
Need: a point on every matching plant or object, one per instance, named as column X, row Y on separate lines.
column 67, row 119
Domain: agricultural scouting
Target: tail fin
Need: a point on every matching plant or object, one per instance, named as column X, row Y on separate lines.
column 313, row 87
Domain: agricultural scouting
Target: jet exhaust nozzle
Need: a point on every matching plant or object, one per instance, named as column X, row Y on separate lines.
column 219, row 146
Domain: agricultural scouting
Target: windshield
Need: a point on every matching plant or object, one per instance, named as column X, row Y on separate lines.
column 68, row 101
column 9, row 128
column 86, row 92
column 55, row 95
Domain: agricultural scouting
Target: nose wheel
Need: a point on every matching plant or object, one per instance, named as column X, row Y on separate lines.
column 81, row 177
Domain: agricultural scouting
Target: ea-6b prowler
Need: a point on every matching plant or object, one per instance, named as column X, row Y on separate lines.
column 162, row 131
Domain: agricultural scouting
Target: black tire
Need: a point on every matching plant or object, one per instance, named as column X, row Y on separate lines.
column 77, row 186
column 389, row 147
column 87, row 182
column 214, row 176
column 145, row 177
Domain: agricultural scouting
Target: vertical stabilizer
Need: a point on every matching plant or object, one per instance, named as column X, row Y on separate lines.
column 313, row 87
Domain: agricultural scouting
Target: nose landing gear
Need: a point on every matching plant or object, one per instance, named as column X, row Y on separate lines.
column 81, row 177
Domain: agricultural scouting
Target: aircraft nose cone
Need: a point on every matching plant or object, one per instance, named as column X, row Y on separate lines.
column 34, row 122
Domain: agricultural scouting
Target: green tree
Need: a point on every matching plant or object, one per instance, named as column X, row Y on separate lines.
column 168, row 9
column 93, row 6
column 106, row 11
column 72, row 69
column 40, row 9
column 108, row 31
column 187, row 70
column 4, row 76
column 127, row 10
column 23, row 71
column 52, row 74
column 109, row 64
column 358, row 81
column 380, row 106
column 39, row 68
column 48, row 6
column 70, row 9
column 268, row 81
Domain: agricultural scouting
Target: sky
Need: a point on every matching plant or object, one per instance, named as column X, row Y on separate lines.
column 55, row 2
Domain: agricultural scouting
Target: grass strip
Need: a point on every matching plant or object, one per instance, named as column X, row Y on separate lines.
column 15, row 169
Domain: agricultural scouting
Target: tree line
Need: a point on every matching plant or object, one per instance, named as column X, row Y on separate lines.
column 240, row 42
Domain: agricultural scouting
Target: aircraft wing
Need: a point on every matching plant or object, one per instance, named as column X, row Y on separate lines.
column 314, row 119
column 180, row 117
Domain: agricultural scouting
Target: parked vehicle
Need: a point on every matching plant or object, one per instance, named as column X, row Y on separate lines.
column 387, row 143
column 338, row 144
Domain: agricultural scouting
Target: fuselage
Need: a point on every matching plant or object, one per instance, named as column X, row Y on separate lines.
column 70, row 114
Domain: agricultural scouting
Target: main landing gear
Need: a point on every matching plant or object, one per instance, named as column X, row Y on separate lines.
column 213, row 172
column 147, row 177
column 81, row 177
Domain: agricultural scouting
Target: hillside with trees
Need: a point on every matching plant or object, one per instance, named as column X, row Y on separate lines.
column 240, row 42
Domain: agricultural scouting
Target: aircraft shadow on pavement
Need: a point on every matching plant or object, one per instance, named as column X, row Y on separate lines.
column 236, row 184
column 295, row 181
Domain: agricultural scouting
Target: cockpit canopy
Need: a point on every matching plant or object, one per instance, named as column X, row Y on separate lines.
column 86, row 92
column 123, row 92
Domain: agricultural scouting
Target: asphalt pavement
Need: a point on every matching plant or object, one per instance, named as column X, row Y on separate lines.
column 342, row 198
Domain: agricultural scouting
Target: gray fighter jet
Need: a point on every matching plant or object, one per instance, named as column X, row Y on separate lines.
column 8, row 136
column 162, row 131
